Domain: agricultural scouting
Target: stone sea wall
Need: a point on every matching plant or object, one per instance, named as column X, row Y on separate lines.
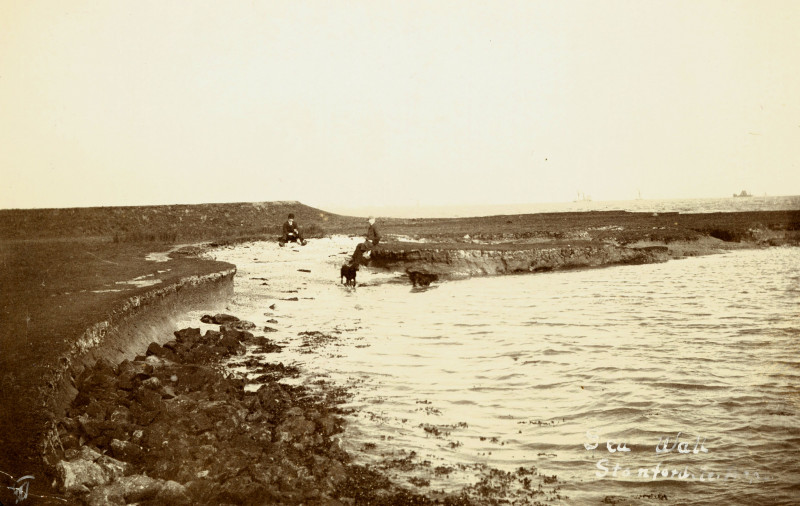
column 133, row 325
column 452, row 263
column 173, row 428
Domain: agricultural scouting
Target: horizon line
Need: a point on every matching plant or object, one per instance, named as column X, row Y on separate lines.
column 323, row 206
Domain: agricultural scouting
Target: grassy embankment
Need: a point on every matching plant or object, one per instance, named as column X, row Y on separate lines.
column 58, row 262
column 618, row 227
column 65, row 269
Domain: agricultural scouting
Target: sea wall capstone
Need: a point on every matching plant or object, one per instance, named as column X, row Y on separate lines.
column 454, row 263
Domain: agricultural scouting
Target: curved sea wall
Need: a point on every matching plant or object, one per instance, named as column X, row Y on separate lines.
column 133, row 325
column 455, row 263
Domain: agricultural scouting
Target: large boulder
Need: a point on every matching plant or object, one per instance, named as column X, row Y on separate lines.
column 87, row 470
column 126, row 450
column 230, row 342
column 79, row 476
column 159, row 351
column 187, row 335
column 172, row 493
column 136, row 489
column 131, row 374
column 298, row 430
column 239, row 325
column 222, row 318
column 240, row 335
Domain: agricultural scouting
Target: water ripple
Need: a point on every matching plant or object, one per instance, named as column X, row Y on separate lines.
column 706, row 347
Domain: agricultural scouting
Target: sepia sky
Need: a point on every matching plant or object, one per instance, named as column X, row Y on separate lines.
column 367, row 103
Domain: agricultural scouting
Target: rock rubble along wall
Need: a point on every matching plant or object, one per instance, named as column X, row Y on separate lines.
column 132, row 326
column 460, row 263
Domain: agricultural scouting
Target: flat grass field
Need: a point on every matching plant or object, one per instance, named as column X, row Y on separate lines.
column 60, row 265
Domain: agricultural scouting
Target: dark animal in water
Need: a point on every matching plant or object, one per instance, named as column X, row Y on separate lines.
column 421, row 278
column 349, row 274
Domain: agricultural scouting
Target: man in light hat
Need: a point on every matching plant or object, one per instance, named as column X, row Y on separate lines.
column 373, row 238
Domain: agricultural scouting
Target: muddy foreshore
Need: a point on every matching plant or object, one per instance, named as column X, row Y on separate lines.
column 170, row 427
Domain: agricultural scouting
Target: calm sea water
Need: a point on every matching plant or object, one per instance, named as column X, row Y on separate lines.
column 544, row 370
column 708, row 205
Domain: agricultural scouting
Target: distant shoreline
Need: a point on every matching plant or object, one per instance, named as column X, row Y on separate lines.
column 696, row 205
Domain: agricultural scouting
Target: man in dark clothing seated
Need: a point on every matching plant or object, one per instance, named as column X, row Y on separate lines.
column 291, row 232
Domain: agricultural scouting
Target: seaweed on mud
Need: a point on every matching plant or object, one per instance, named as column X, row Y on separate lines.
column 336, row 396
column 659, row 496
column 268, row 346
column 314, row 339
column 541, row 422
column 266, row 372
column 433, row 430
column 365, row 486
column 407, row 463
column 442, row 470
column 430, row 410
column 502, row 487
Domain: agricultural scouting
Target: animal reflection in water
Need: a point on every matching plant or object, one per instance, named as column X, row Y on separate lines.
column 422, row 279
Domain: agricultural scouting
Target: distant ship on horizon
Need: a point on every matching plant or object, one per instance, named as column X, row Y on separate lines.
column 743, row 194
column 582, row 197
